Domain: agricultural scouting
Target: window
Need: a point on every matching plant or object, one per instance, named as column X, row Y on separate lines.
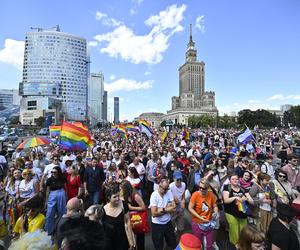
column 31, row 103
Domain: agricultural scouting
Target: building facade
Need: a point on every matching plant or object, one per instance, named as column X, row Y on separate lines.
column 95, row 98
column 104, row 107
column 9, row 98
column 154, row 118
column 55, row 66
column 192, row 99
column 116, row 110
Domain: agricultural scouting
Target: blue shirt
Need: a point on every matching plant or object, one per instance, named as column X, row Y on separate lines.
column 197, row 178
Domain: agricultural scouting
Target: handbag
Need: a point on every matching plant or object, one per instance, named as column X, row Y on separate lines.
column 139, row 222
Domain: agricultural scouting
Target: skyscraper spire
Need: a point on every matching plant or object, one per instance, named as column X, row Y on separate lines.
column 191, row 52
column 191, row 36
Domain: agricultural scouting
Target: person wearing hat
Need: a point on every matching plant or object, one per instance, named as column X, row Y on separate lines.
column 28, row 187
column 32, row 219
column 280, row 235
column 178, row 190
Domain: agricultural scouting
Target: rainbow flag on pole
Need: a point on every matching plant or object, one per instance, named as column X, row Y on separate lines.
column 74, row 138
column 120, row 129
column 54, row 131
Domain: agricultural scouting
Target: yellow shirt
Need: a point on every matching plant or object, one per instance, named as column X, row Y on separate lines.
column 34, row 224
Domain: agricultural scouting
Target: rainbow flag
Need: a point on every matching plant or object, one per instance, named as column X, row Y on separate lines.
column 186, row 134
column 74, row 138
column 80, row 125
column 242, row 206
column 131, row 128
column 54, row 131
column 119, row 128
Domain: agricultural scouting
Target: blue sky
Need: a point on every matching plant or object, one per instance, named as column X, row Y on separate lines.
column 251, row 48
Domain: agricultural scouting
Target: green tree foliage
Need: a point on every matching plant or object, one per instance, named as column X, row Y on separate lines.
column 292, row 116
column 163, row 124
column 40, row 121
column 260, row 117
column 14, row 120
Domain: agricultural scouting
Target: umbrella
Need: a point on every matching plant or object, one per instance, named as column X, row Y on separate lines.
column 34, row 142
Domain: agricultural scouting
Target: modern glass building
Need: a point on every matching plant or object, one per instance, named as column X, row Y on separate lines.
column 116, row 110
column 56, row 65
column 95, row 97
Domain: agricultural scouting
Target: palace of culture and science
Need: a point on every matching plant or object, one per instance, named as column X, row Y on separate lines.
column 192, row 99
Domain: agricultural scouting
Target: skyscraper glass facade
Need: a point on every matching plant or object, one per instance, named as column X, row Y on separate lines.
column 56, row 65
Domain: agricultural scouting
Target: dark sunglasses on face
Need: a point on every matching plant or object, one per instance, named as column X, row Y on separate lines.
column 281, row 175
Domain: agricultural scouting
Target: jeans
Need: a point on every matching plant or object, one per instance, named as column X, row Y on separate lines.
column 94, row 197
column 56, row 204
column 161, row 232
column 209, row 235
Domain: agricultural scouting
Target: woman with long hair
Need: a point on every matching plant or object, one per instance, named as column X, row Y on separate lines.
column 12, row 210
column 251, row 239
column 73, row 182
column 56, row 200
column 134, row 179
column 234, row 200
column 28, row 187
column 264, row 198
column 135, row 203
column 116, row 221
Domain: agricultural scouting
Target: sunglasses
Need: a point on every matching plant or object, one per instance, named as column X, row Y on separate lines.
column 281, row 175
column 202, row 188
column 55, row 159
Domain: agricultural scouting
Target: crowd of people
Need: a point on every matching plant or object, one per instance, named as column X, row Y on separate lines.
column 207, row 185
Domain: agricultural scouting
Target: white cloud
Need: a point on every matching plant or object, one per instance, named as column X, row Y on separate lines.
column 13, row 53
column 127, row 85
column 111, row 22
column 235, row 107
column 123, row 42
column 147, row 73
column 200, row 24
column 138, row 2
column 112, row 77
column 93, row 44
column 281, row 97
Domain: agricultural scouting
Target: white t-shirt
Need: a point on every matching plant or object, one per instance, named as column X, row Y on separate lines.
column 177, row 191
column 161, row 202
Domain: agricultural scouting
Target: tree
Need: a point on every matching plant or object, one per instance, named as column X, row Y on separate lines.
column 163, row 123
column 14, row 120
column 40, row 121
column 292, row 116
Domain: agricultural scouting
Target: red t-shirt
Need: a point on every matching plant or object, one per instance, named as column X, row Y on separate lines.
column 73, row 186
